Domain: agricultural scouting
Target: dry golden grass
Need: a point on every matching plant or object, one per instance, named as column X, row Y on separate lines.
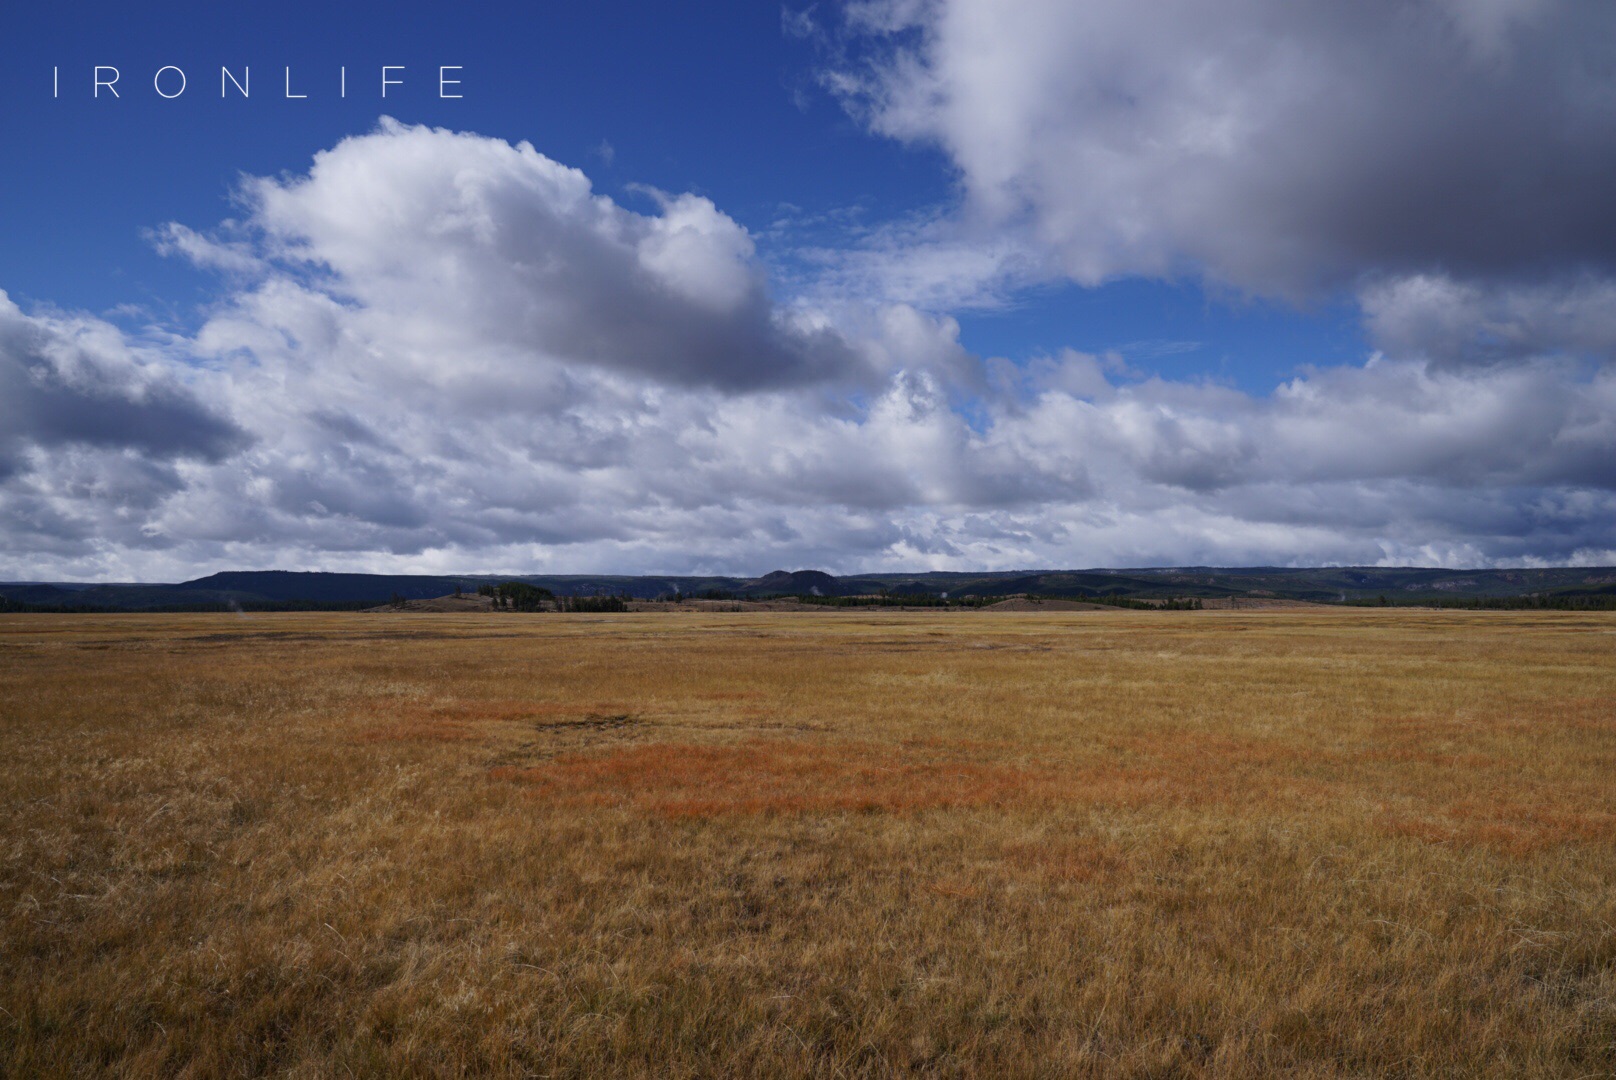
column 1318, row 843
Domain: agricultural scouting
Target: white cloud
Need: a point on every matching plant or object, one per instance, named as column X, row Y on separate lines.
column 231, row 256
column 454, row 354
column 1446, row 160
column 1273, row 146
column 1452, row 323
column 460, row 245
column 74, row 380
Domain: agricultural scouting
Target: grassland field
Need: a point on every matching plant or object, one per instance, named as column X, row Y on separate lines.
column 1318, row 843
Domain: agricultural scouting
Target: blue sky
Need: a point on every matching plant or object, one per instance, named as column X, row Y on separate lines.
column 963, row 284
column 717, row 101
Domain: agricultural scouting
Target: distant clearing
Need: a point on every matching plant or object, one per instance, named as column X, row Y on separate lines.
column 1311, row 842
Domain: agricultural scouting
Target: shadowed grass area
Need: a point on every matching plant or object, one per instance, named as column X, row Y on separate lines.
column 1323, row 843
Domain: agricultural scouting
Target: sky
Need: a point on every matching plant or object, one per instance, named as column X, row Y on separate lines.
column 887, row 285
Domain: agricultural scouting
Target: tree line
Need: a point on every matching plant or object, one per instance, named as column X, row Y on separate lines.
column 521, row 596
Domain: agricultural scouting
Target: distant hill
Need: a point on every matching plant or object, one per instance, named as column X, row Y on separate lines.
column 800, row 583
column 267, row 589
column 286, row 585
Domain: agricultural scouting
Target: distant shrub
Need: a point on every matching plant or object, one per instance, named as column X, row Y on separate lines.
column 517, row 596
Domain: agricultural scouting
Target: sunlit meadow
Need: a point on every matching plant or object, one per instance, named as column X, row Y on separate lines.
column 1313, row 843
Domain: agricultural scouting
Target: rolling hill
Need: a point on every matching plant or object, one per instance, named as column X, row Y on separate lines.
column 270, row 589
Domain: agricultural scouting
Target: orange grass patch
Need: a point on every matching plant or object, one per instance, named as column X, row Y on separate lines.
column 770, row 777
column 1596, row 714
column 456, row 720
column 1194, row 768
column 1204, row 754
column 1513, row 827
column 787, row 777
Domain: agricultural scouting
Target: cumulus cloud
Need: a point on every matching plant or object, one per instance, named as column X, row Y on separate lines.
column 68, row 380
column 1464, row 323
column 1446, row 161
column 1275, row 146
column 468, row 245
column 440, row 351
